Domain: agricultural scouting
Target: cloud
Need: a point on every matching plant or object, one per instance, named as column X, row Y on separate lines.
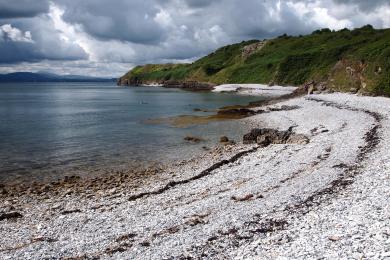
column 132, row 21
column 22, row 8
column 90, row 34
column 199, row 3
column 9, row 33
column 365, row 5
column 41, row 42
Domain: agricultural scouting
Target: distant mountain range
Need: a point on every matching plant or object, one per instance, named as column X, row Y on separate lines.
column 48, row 77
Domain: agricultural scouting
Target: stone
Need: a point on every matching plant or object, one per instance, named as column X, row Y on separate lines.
column 267, row 136
column 309, row 87
column 298, row 139
column 334, row 238
column 353, row 90
column 322, row 86
column 310, row 90
column 244, row 198
column 145, row 243
column 224, row 139
column 193, row 139
column 10, row 215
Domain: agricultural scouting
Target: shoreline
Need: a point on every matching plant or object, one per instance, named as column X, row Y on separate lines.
column 241, row 201
column 227, row 113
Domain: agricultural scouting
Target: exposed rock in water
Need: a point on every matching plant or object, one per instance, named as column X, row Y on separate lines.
column 237, row 111
column 267, row 136
column 193, row 139
column 189, row 85
column 224, row 139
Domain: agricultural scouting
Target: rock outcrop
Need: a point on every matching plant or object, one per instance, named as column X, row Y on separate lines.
column 252, row 48
column 190, row 85
column 267, row 136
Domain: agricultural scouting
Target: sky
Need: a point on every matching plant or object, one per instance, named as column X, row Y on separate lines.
column 106, row 38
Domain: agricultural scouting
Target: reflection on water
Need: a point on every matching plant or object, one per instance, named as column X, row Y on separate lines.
column 57, row 128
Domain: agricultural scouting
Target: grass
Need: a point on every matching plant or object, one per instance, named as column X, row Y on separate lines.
column 323, row 56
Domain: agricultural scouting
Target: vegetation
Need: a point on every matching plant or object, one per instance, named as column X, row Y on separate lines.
column 342, row 60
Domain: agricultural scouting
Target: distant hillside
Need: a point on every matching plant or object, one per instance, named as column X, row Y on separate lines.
column 47, row 77
column 348, row 59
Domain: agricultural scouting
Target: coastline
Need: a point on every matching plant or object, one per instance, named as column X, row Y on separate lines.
column 236, row 201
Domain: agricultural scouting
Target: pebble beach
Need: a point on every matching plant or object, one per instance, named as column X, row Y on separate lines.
column 327, row 198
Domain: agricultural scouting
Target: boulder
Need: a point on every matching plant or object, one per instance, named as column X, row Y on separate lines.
column 297, row 139
column 224, row 139
column 193, row 139
column 353, row 90
column 267, row 136
column 310, row 90
column 322, row 86
column 10, row 215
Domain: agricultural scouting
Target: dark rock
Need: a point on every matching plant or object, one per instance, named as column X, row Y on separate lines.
column 189, row 85
column 237, row 111
column 310, row 90
column 195, row 221
column 145, row 243
column 224, row 139
column 322, row 86
column 297, row 139
column 353, row 90
column 10, row 215
column 310, row 87
column 283, row 108
column 334, row 238
column 193, row 139
column 44, row 239
column 245, row 198
column 3, row 191
column 65, row 212
column 267, row 136
column 126, row 237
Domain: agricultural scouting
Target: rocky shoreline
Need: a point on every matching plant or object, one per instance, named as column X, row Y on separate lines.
column 186, row 85
column 310, row 181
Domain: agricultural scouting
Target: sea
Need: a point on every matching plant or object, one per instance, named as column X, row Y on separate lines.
column 57, row 129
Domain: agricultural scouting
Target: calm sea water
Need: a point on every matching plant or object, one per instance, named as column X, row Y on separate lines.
column 61, row 128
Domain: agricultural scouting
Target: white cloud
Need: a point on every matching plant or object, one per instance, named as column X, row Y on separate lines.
column 7, row 32
column 164, row 18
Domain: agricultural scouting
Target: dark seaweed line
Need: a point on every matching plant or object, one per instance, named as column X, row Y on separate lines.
column 372, row 139
column 263, row 226
column 203, row 174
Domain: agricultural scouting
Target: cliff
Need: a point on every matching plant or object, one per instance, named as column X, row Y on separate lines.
column 345, row 60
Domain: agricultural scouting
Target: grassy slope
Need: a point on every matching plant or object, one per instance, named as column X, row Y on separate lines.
column 343, row 60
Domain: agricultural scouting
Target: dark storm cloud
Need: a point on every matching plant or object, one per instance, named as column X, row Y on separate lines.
column 22, row 8
column 200, row 3
column 131, row 21
column 90, row 33
column 365, row 5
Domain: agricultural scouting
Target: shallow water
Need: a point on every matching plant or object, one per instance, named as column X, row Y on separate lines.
column 58, row 128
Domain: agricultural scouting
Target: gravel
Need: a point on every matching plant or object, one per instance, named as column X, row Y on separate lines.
column 325, row 199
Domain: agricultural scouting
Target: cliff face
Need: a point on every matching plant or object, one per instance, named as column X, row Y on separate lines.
column 357, row 60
